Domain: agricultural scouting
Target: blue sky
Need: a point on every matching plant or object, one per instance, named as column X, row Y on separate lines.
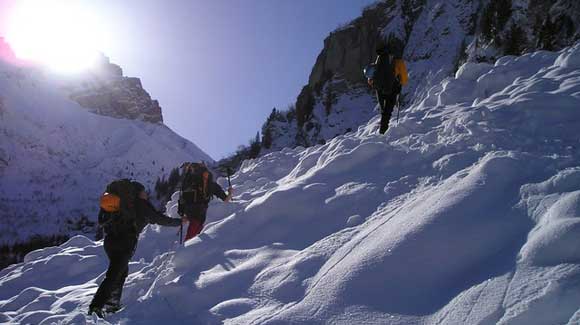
column 219, row 67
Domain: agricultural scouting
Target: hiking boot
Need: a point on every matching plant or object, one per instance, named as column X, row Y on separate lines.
column 113, row 307
column 96, row 310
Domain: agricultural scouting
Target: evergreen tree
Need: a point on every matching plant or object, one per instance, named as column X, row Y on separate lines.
column 516, row 40
column 304, row 105
column 272, row 116
column 174, row 178
column 494, row 18
column 503, row 10
column 329, row 99
column 267, row 137
column 547, row 35
column 255, row 147
column 487, row 18
column 291, row 113
column 164, row 188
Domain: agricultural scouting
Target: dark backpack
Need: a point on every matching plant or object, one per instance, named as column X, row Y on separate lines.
column 384, row 76
column 195, row 188
column 118, row 215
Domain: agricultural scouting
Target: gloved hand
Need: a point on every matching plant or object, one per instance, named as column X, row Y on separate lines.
column 230, row 194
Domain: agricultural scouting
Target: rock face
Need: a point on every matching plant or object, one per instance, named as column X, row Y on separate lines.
column 105, row 91
column 433, row 37
column 102, row 90
column 351, row 47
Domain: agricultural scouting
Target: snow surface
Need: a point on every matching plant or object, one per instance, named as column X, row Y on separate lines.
column 56, row 157
column 466, row 212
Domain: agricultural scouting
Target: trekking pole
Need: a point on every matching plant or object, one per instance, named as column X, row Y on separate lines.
column 398, row 108
column 229, row 171
column 179, row 203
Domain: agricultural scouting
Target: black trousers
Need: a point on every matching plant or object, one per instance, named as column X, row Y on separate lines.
column 119, row 251
column 387, row 103
column 196, row 211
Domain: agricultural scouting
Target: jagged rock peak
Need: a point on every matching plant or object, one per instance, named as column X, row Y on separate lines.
column 101, row 89
column 105, row 91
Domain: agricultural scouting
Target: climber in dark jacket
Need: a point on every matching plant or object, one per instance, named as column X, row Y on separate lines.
column 390, row 76
column 120, row 244
column 198, row 189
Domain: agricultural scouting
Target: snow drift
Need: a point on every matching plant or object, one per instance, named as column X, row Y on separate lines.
column 466, row 212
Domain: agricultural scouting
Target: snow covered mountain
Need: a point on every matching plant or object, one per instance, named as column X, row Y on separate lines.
column 466, row 212
column 64, row 138
column 434, row 37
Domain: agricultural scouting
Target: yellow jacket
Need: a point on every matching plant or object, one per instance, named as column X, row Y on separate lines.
column 401, row 71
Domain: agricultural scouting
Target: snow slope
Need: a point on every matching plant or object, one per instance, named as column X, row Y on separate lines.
column 56, row 157
column 466, row 212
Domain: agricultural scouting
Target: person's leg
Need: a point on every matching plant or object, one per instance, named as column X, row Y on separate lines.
column 194, row 228
column 114, row 301
column 381, row 100
column 116, row 273
column 386, row 112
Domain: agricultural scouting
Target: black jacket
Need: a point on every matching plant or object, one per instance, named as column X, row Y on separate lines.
column 197, row 209
column 384, row 80
column 145, row 214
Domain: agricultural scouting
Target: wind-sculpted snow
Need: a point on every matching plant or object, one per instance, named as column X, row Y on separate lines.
column 466, row 212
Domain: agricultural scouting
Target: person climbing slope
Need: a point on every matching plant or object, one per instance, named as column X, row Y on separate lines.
column 389, row 74
column 125, row 210
column 197, row 190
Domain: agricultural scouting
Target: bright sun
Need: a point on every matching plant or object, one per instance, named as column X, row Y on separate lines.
column 58, row 33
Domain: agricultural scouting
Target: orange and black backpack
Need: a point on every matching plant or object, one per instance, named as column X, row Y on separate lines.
column 195, row 185
column 117, row 213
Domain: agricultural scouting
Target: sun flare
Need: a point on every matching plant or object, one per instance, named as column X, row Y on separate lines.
column 60, row 34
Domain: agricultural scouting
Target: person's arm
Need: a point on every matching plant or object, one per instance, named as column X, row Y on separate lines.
column 219, row 192
column 156, row 217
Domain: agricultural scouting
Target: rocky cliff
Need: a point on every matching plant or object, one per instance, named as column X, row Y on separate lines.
column 105, row 91
column 434, row 38
column 102, row 89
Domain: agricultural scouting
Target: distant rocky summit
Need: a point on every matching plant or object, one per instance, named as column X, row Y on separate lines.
column 105, row 91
